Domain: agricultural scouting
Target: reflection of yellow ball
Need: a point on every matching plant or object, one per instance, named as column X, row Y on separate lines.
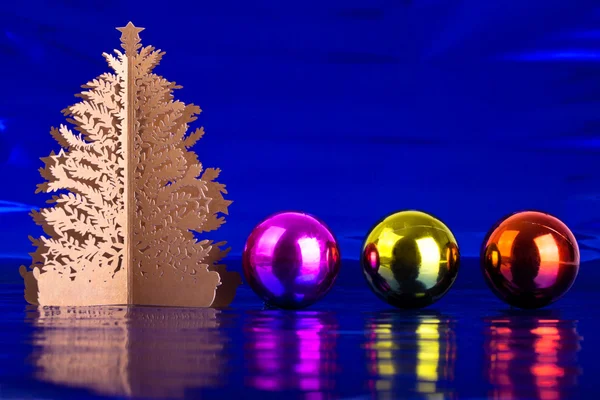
column 410, row 259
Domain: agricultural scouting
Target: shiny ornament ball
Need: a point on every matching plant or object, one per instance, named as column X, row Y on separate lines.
column 530, row 259
column 291, row 260
column 410, row 259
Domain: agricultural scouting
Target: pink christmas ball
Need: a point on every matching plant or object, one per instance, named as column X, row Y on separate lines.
column 291, row 260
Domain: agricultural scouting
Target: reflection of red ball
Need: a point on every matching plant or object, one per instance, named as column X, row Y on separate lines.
column 530, row 259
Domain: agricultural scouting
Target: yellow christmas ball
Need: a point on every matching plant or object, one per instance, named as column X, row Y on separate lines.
column 410, row 259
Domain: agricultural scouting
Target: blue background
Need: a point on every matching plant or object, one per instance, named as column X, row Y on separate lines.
column 346, row 109
column 350, row 110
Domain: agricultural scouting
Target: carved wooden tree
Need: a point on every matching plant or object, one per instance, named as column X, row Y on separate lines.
column 133, row 193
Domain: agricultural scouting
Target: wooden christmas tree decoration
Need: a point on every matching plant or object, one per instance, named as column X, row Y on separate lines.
column 131, row 193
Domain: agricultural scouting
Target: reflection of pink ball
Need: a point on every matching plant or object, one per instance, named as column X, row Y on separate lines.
column 291, row 260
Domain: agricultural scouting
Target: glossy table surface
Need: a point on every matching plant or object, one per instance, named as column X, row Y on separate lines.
column 349, row 346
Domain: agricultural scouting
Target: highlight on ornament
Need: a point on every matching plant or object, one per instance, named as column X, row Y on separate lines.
column 130, row 193
column 530, row 259
column 410, row 259
column 291, row 260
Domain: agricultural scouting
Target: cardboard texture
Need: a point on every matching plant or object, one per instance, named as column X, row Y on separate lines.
column 132, row 193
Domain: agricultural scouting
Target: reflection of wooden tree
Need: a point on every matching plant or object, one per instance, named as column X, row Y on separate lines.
column 85, row 349
column 141, row 352
column 123, row 231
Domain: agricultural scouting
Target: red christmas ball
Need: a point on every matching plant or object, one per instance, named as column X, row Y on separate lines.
column 530, row 259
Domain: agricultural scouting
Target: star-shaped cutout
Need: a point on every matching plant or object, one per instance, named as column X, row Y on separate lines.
column 130, row 29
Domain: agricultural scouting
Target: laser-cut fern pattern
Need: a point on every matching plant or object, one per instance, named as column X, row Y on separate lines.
column 133, row 192
column 79, row 260
column 173, row 194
